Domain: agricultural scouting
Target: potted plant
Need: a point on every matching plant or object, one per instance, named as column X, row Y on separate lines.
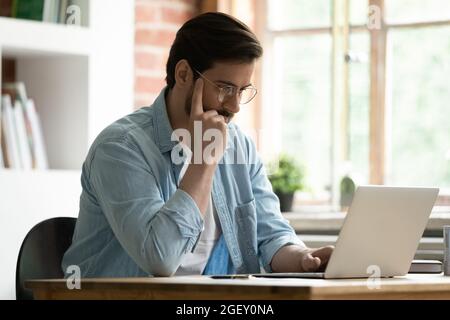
column 347, row 190
column 286, row 178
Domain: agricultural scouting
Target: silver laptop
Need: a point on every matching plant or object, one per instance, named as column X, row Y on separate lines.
column 380, row 234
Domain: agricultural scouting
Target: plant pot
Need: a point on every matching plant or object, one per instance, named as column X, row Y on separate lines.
column 286, row 200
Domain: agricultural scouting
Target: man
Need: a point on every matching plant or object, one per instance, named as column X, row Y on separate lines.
column 158, row 200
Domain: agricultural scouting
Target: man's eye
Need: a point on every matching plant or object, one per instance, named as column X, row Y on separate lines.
column 229, row 90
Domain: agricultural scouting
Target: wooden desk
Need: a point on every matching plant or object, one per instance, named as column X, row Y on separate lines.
column 199, row 287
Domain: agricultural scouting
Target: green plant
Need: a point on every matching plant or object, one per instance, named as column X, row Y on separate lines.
column 347, row 189
column 347, row 185
column 287, row 176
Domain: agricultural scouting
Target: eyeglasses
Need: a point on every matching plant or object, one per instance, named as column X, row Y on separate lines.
column 227, row 92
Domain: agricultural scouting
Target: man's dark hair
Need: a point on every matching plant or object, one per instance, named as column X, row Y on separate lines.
column 212, row 37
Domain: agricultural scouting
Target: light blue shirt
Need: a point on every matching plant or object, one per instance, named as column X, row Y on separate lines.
column 135, row 221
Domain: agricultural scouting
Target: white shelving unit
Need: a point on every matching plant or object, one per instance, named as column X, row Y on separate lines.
column 81, row 79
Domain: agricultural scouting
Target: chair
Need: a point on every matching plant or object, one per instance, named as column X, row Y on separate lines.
column 42, row 251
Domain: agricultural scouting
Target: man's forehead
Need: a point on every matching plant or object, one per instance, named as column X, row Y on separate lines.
column 232, row 73
column 226, row 66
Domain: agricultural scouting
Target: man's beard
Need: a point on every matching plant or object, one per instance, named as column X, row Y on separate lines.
column 188, row 106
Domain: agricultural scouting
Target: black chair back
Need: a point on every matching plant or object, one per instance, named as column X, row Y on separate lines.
column 42, row 251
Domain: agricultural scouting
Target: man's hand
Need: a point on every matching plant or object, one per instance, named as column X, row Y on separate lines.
column 197, row 181
column 294, row 258
column 315, row 260
column 205, row 126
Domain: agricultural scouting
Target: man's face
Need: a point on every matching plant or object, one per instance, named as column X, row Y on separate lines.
column 223, row 74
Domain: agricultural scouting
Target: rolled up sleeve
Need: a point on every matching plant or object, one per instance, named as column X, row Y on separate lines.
column 273, row 230
column 155, row 233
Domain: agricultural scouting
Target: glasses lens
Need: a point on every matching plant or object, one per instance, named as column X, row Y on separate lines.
column 247, row 95
column 226, row 93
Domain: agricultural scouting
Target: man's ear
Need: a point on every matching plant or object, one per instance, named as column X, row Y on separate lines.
column 183, row 74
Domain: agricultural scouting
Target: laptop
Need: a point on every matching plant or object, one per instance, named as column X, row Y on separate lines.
column 380, row 234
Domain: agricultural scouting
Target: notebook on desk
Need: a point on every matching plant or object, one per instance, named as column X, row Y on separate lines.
column 426, row 266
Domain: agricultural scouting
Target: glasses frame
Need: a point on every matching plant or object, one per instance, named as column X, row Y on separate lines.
column 235, row 90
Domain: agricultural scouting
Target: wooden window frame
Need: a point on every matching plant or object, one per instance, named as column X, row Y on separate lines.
column 339, row 104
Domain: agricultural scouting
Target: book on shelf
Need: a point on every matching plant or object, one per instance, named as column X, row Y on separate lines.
column 11, row 150
column 54, row 11
column 23, row 145
column 76, row 12
column 51, row 11
column 39, row 152
column 22, row 136
column 16, row 90
column 63, row 11
column 28, row 9
column 2, row 163
column 6, row 8
column 17, row 97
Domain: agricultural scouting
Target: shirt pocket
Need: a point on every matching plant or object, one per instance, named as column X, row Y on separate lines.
column 247, row 227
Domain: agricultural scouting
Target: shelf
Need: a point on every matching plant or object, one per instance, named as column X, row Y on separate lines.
column 62, row 103
column 24, row 38
column 27, row 198
column 34, row 195
column 81, row 80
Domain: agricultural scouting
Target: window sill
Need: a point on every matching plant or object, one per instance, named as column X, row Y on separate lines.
column 330, row 222
column 322, row 229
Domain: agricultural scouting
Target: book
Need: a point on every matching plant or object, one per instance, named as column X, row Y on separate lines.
column 39, row 150
column 28, row 9
column 426, row 266
column 25, row 147
column 51, row 11
column 11, row 155
column 63, row 4
column 77, row 12
column 22, row 136
column 17, row 92
column 6, row 8
column 2, row 163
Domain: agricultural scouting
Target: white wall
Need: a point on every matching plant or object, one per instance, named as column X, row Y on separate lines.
column 112, row 64
column 105, row 81
column 26, row 199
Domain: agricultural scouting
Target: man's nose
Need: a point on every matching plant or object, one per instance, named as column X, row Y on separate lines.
column 233, row 104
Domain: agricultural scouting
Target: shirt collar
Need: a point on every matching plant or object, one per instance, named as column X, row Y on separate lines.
column 162, row 124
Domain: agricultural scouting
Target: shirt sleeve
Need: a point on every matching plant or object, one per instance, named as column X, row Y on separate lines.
column 154, row 233
column 273, row 230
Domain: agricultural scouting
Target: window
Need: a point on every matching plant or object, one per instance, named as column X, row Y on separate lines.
column 298, row 14
column 419, row 108
column 305, row 99
column 392, row 126
column 358, row 129
column 411, row 11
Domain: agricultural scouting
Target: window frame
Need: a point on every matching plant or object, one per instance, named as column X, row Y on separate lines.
column 269, row 118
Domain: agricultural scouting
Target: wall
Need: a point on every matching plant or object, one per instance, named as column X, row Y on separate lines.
column 98, row 62
column 156, row 23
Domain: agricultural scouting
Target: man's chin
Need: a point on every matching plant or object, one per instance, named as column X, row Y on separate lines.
column 228, row 119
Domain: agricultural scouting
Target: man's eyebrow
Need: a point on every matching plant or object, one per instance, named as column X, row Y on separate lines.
column 232, row 84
